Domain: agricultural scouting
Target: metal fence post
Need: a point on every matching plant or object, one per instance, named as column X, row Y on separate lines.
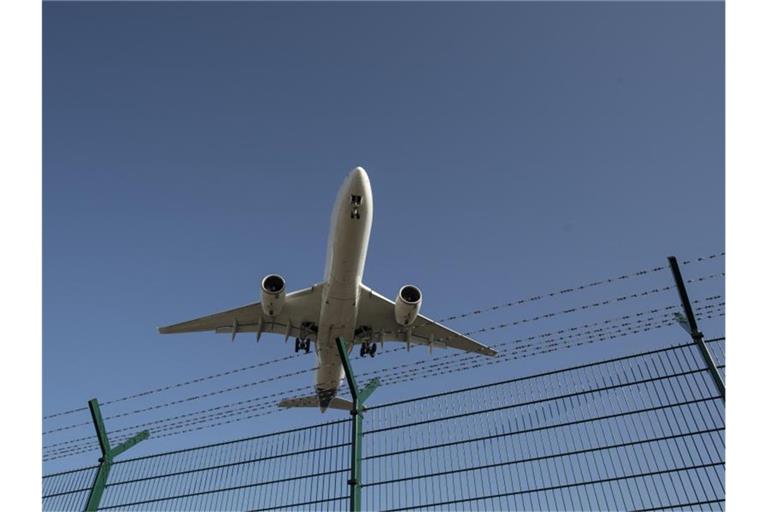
column 107, row 455
column 358, row 399
column 697, row 336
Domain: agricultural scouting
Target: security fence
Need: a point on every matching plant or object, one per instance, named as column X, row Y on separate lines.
column 639, row 432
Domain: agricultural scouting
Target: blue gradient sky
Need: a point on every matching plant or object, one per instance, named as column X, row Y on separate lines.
column 513, row 149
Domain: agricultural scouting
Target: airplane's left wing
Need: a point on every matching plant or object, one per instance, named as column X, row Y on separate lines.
column 378, row 313
column 301, row 308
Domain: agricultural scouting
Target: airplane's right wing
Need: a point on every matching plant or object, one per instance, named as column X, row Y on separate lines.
column 378, row 313
column 301, row 307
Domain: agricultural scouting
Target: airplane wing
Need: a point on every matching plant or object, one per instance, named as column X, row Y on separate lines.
column 378, row 313
column 298, row 317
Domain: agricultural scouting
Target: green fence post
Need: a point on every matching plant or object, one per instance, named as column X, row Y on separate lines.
column 693, row 328
column 358, row 399
column 107, row 455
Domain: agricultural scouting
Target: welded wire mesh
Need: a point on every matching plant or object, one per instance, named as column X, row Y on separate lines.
column 259, row 473
column 68, row 490
column 640, row 432
column 633, row 433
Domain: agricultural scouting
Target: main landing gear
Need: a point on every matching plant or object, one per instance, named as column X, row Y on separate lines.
column 302, row 344
column 367, row 347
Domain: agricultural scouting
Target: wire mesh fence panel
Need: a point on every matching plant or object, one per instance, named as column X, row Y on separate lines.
column 633, row 433
column 258, row 473
column 640, row 432
column 68, row 490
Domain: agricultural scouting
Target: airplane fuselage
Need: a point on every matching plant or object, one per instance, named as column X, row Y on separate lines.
column 345, row 262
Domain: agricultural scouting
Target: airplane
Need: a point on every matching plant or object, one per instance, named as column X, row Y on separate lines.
column 340, row 306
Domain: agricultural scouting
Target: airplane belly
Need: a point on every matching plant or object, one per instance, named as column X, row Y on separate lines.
column 347, row 249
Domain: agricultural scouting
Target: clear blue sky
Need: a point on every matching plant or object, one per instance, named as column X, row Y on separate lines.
column 513, row 149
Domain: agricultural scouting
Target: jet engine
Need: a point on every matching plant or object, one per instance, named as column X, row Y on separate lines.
column 272, row 295
column 407, row 305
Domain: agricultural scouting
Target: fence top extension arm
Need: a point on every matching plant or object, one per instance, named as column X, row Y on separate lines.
column 693, row 328
column 358, row 395
column 107, row 454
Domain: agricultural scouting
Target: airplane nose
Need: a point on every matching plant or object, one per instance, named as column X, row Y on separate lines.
column 358, row 172
column 359, row 177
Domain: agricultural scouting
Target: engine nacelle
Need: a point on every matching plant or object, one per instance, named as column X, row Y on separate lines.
column 272, row 295
column 407, row 305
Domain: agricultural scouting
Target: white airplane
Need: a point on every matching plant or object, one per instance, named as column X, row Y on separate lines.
column 340, row 306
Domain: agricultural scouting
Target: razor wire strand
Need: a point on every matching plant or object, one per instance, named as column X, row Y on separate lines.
column 402, row 376
column 496, row 307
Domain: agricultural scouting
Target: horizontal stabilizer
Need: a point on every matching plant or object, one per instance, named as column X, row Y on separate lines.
column 314, row 401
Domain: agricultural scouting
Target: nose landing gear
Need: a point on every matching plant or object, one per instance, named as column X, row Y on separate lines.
column 356, row 201
column 302, row 344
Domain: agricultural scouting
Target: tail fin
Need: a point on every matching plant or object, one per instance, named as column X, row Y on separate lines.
column 314, row 401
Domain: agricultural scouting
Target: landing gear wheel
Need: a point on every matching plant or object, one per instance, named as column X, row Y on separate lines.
column 363, row 350
column 302, row 344
column 372, row 349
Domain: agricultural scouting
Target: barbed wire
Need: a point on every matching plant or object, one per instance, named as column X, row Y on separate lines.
column 503, row 325
column 169, row 431
column 593, row 305
column 566, row 291
column 239, row 387
column 452, row 355
column 178, row 385
column 600, row 334
column 404, row 375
